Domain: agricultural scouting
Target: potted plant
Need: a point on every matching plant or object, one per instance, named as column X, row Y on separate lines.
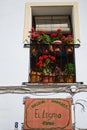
column 69, row 72
column 68, row 41
column 47, row 65
column 59, row 78
column 55, row 37
column 35, row 76
column 39, row 37
column 69, row 50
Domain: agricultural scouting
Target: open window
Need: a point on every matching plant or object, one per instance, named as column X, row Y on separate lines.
column 52, row 60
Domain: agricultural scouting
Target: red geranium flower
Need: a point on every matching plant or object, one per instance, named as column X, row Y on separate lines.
column 53, row 34
column 40, row 63
column 45, row 56
column 34, row 35
column 63, row 38
column 55, row 37
column 70, row 36
column 59, row 30
column 42, row 58
column 52, row 58
column 32, row 29
column 42, row 32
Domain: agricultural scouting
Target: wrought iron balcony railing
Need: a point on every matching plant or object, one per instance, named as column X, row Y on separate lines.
column 52, row 63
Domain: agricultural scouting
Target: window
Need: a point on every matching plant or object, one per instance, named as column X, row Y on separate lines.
column 52, row 23
column 52, row 60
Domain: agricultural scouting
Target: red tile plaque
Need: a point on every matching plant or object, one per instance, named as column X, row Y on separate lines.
column 47, row 114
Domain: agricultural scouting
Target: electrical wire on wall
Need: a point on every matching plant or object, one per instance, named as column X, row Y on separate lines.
column 50, row 88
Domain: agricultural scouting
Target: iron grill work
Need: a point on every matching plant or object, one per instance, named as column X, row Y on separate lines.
column 44, row 69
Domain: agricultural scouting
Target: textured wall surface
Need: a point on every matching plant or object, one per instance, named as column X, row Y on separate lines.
column 14, row 63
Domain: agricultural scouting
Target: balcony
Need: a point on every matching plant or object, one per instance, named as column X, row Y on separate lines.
column 52, row 63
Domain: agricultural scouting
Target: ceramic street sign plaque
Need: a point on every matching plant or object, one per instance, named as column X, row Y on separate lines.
column 47, row 114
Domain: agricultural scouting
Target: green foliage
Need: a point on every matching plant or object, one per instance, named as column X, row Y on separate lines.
column 69, row 68
column 44, row 38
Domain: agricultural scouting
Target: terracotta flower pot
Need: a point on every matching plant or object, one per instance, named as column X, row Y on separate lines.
column 69, row 78
column 57, row 50
column 69, row 50
column 60, row 78
column 48, row 78
column 35, row 76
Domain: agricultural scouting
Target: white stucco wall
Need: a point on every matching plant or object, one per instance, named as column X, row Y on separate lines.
column 14, row 60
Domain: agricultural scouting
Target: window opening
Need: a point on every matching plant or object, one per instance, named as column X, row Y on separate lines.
column 52, row 23
column 52, row 60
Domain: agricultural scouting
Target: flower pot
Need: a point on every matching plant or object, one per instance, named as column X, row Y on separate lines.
column 57, row 50
column 48, row 78
column 51, row 48
column 35, row 77
column 69, row 78
column 60, row 78
column 69, row 50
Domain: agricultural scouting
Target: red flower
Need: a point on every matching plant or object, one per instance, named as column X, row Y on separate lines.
column 52, row 58
column 70, row 36
column 34, row 35
column 59, row 30
column 63, row 38
column 53, row 34
column 41, row 58
column 42, row 32
column 45, row 56
column 40, row 63
column 32, row 29
column 37, row 35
